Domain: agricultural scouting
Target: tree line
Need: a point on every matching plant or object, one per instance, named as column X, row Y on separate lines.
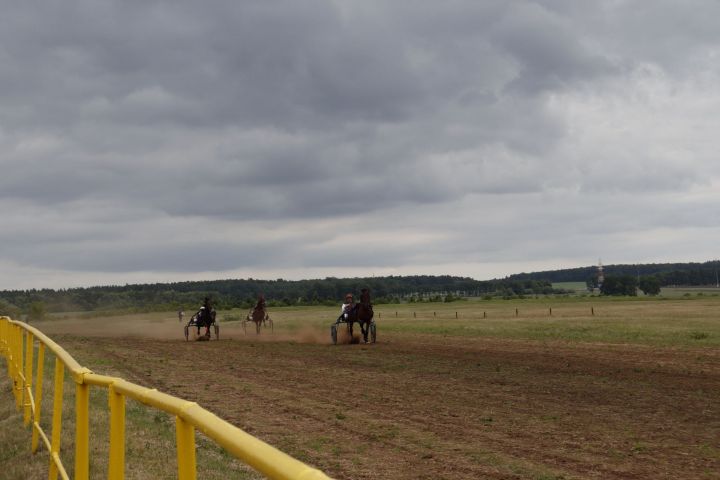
column 242, row 293
column 663, row 274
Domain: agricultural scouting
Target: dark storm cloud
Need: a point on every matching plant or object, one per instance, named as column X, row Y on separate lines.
column 547, row 50
column 125, row 125
column 201, row 255
column 246, row 63
column 126, row 68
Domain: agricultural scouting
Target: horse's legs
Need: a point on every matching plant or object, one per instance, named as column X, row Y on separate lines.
column 365, row 326
column 257, row 328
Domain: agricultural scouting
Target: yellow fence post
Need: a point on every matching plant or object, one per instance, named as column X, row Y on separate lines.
column 5, row 343
column 10, row 335
column 17, row 366
column 116, row 468
column 4, row 340
column 82, row 431
column 10, row 349
column 57, row 418
column 11, row 357
column 17, row 345
column 3, row 323
column 27, row 384
column 38, row 396
column 185, row 433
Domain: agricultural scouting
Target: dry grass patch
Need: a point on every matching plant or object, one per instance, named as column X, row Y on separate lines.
column 16, row 461
column 150, row 437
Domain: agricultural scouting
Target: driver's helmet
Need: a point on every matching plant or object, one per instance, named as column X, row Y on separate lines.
column 349, row 297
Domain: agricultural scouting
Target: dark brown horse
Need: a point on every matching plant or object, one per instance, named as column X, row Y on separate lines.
column 203, row 318
column 362, row 314
column 259, row 315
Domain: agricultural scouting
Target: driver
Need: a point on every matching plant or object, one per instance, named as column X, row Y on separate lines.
column 260, row 305
column 347, row 308
column 205, row 316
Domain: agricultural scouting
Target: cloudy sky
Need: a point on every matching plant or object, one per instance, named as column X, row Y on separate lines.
column 145, row 141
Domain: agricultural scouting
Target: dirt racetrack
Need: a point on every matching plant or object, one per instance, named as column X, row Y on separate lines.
column 427, row 406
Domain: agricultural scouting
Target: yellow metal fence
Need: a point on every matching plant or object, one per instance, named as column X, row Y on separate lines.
column 17, row 345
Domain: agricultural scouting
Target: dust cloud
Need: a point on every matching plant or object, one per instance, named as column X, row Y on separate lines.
column 168, row 328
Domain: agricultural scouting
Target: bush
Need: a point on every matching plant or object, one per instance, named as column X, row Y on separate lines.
column 37, row 311
column 452, row 298
column 650, row 285
column 7, row 309
column 619, row 285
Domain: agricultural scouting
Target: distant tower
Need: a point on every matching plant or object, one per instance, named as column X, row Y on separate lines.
column 600, row 275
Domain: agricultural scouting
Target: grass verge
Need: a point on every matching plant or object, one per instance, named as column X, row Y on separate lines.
column 149, row 438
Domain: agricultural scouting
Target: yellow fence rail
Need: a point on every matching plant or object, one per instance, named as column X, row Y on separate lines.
column 17, row 345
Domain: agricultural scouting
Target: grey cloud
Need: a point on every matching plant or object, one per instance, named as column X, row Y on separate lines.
column 140, row 121
column 206, row 253
column 548, row 52
column 667, row 33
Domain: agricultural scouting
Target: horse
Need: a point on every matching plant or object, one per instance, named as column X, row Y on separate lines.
column 362, row 314
column 258, row 315
column 203, row 318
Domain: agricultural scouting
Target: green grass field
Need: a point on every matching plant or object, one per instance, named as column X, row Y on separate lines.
column 691, row 321
column 665, row 324
column 679, row 322
column 575, row 286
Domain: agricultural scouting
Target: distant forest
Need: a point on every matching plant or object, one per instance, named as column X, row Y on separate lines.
column 668, row 274
column 243, row 293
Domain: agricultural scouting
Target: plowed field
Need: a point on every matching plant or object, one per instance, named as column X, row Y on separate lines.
column 433, row 406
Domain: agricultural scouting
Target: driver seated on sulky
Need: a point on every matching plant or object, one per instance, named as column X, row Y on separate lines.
column 205, row 316
column 347, row 308
column 260, row 305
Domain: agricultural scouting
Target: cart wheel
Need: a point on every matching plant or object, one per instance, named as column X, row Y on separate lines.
column 333, row 334
column 217, row 332
column 187, row 333
column 373, row 333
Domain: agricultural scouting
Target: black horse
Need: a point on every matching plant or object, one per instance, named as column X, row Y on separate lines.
column 203, row 318
column 362, row 313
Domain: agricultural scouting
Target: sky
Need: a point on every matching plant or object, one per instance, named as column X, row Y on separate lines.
column 162, row 141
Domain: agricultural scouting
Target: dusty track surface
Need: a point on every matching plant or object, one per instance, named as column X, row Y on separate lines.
column 445, row 407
